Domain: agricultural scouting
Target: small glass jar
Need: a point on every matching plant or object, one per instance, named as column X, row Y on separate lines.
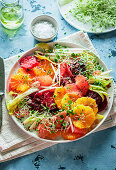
column 12, row 13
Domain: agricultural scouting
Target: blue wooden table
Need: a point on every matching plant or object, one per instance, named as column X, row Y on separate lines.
column 95, row 152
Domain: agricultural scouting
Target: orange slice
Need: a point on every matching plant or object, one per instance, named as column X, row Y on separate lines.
column 87, row 101
column 83, row 116
column 58, row 95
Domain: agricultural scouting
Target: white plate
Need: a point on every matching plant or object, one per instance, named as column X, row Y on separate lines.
column 65, row 6
column 69, row 45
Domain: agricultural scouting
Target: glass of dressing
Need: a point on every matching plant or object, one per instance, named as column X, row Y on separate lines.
column 12, row 13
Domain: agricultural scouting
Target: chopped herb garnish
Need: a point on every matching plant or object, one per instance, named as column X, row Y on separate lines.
column 73, row 55
column 54, row 96
column 46, row 55
column 61, row 121
column 49, row 71
column 62, row 116
column 26, row 82
column 26, row 77
column 70, row 101
column 50, row 50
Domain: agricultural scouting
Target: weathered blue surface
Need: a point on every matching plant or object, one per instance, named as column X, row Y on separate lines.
column 95, row 152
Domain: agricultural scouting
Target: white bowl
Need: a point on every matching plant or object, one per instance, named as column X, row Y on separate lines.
column 48, row 19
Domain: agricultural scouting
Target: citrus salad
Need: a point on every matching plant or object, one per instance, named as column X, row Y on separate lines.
column 59, row 93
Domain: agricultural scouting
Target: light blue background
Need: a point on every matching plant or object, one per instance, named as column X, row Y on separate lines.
column 95, row 152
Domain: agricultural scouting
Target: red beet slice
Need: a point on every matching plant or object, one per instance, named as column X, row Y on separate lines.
column 77, row 67
column 95, row 96
column 101, row 105
column 44, row 98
